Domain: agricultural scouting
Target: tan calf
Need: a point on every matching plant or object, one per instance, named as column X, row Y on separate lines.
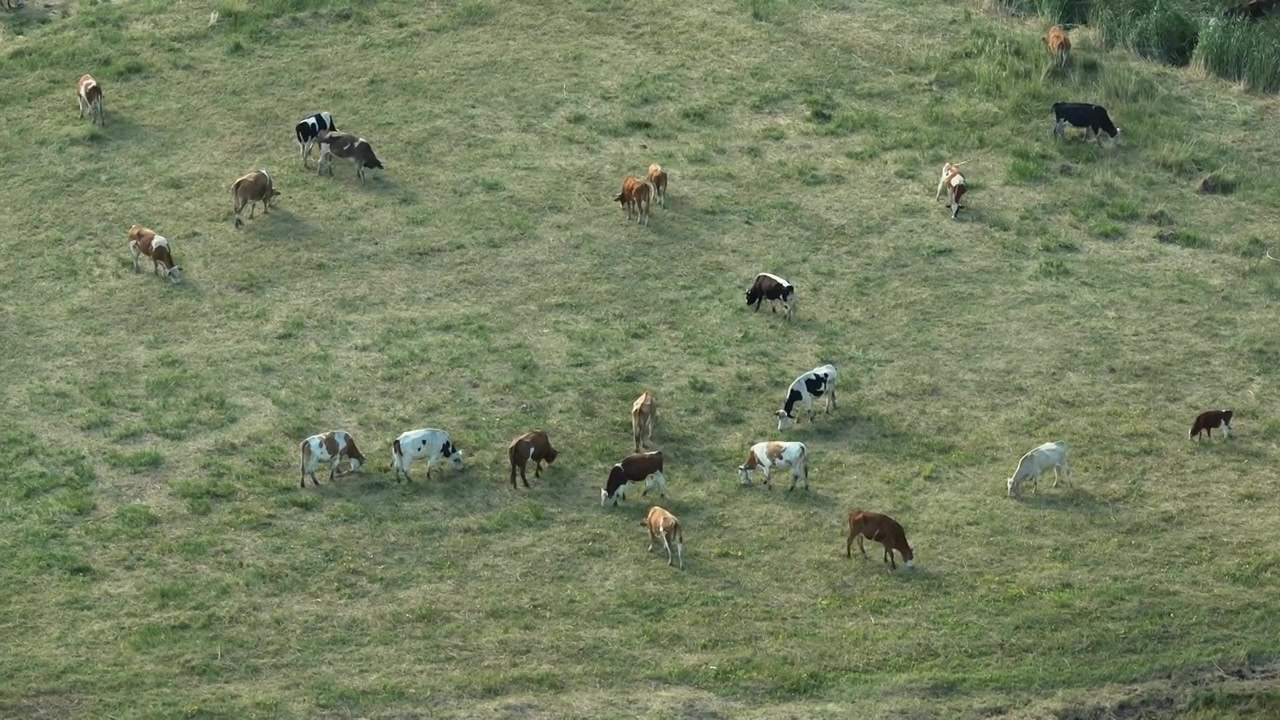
column 643, row 412
column 1059, row 44
column 254, row 187
column 89, row 94
column 658, row 179
column 661, row 523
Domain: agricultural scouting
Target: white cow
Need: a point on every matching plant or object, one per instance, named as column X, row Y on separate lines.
column 769, row 455
column 1037, row 462
column 430, row 443
column 815, row 383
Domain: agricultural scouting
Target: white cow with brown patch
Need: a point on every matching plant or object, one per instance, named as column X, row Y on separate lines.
column 767, row 456
column 145, row 241
column 89, row 95
column 331, row 447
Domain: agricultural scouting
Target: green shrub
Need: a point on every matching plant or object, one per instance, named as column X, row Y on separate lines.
column 1166, row 34
column 1239, row 50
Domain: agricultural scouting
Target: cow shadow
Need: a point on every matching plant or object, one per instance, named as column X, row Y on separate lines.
column 1064, row 498
column 280, row 224
column 119, row 129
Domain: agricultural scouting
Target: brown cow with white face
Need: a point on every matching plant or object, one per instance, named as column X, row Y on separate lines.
column 144, row 241
column 532, row 446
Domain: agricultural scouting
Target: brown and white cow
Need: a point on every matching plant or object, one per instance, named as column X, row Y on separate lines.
column 1059, row 44
column 658, row 179
column 637, row 194
column 953, row 181
column 255, row 187
column 1207, row 421
column 643, row 413
column 662, row 524
column 532, row 446
column 346, row 146
column 89, row 94
column 767, row 456
column 882, row 529
column 331, row 447
column 634, row 468
column 144, row 241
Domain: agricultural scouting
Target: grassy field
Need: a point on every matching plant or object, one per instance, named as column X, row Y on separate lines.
column 160, row 561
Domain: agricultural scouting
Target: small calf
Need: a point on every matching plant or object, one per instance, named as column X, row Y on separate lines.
column 347, row 146
column 658, row 179
column 1208, row 420
column 249, row 189
column 89, row 94
column 662, row 524
column 1038, row 461
column 429, row 443
column 331, row 447
column 1084, row 115
column 954, row 182
column 637, row 194
column 813, row 384
column 633, row 469
column 308, row 128
column 882, row 529
column 643, row 413
column 1059, row 45
column 769, row 455
column 533, row 446
column 144, row 241
column 768, row 286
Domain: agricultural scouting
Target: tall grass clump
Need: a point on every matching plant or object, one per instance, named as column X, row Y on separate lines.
column 1240, row 50
column 1159, row 30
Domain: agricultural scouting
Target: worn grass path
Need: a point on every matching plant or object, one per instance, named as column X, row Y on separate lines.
column 158, row 560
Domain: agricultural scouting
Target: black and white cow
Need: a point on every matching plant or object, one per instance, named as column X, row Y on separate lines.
column 308, row 128
column 813, row 384
column 1093, row 118
column 768, row 286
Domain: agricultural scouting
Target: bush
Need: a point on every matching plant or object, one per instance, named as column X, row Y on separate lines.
column 1241, row 50
column 1167, row 34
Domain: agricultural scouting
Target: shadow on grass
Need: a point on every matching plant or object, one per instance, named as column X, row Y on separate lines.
column 280, row 224
column 1063, row 498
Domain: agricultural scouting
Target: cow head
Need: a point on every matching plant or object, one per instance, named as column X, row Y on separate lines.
column 619, row 199
column 1012, row 485
column 784, row 420
column 552, row 453
column 451, row 452
column 272, row 193
column 908, row 555
column 174, row 274
column 752, row 296
column 1119, row 138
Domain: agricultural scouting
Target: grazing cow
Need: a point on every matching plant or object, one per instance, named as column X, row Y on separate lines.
column 1208, row 420
column 1059, row 44
column 637, row 194
column 662, row 524
column 882, row 529
column 144, row 241
column 255, row 187
column 89, row 93
column 347, row 146
column 533, row 446
column 632, row 469
column 1036, row 463
column 308, row 128
column 815, row 383
column 1253, row 10
column 769, row 455
column 953, row 181
column 643, row 412
column 768, row 286
column 430, row 443
column 658, row 179
column 1093, row 118
column 331, row 447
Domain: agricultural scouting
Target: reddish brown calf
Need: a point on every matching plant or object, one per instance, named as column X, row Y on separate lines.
column 533, row 446
column 882, row 529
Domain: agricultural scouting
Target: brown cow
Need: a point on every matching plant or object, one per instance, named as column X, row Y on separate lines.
column 658, row 179
column 249, row 189
column 346, row 146
column 144, row 241
column 533, row 446
column 637, row 193
column 89, row 94
column 639, row 467
column 882, row 529
column 661, row 523
column 1059, row 44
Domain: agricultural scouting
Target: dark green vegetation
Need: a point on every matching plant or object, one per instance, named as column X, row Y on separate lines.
column 159, row 560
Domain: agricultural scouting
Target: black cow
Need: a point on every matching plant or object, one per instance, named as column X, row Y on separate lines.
column 1084, row 115
column 308, row 128
column 1208, row 420
column 775, row 290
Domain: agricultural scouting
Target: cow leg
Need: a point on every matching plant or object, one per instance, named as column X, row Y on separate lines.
column 524, row 479
column 137, row 266
column 861, row 549
column 652, row 539
column 831, row 398
column 768, row 477
column 667, row 546
column 537, row 469
column 794, row 478
column 889, row 553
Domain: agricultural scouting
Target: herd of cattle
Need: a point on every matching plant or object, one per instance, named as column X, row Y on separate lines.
column 637, row 194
